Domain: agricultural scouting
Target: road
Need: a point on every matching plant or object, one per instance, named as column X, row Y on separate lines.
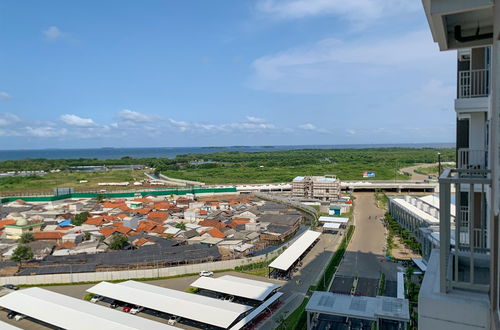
column 365, row 254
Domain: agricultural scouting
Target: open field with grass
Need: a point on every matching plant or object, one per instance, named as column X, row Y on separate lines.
column 283, row 166
column 68, row 179
column 232, row 167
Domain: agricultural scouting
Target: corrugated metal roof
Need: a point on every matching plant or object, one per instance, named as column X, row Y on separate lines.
column 186, row 305
column 256, row 311
column 285, row 260
column 333, row 219
column 71, row 313
column 237, row 286
column 331, row 225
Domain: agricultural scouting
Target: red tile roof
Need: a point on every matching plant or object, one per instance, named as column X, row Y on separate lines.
column 214, row 232
column 212, row 223
column 49, row 235
column 158, row 216
column 5, row 222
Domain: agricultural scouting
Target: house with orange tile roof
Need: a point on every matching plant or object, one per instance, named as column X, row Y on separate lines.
column 214, row 232
column 158, row 216
column 48, row 236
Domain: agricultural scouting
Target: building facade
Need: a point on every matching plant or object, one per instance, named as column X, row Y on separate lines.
column 324, row 188
column 460, row 287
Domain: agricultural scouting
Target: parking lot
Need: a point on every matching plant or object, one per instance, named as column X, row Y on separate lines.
column 78, row 291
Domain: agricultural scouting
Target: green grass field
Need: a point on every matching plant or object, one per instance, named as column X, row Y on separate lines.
column 68, row 179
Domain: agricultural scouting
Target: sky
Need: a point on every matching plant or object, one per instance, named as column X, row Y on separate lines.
column 156, row 73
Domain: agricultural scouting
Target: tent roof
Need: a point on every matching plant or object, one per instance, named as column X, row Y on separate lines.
column 186, row 305
column 285, row 260
column 71, row 313
column 237, row 286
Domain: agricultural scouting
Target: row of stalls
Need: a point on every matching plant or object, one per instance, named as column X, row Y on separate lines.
column 208, row 309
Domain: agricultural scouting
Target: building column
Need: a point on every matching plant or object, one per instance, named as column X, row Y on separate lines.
column 444, row 233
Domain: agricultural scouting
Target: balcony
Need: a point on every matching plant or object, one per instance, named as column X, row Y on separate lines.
column 473, row 83
column 464, row 245
column 472, row 159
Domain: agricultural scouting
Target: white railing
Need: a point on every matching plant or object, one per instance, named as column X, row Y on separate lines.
column 469, row 159
column 473, row 83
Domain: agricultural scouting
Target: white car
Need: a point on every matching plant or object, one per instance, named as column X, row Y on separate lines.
column 95, row 299
column 173, row 320
column 229, row 298
column 136, row 309
column 206, row 273
column 19, row 317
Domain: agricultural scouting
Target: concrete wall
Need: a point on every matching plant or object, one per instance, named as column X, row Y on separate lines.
column 139, row 273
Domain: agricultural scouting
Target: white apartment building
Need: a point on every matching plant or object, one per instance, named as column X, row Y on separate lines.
column 324, row 188
column 460, row 288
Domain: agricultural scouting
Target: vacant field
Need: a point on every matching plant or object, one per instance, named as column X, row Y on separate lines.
column 68, row 179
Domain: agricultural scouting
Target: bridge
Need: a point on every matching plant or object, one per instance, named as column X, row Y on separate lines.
column 395, row 186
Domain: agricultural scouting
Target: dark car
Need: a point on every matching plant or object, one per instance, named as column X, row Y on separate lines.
column 116, row 303
column 11, row 315
column 11, row 287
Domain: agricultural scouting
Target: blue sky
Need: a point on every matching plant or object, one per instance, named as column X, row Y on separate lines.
column 204, row 73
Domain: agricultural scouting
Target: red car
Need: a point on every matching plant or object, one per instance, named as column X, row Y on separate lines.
column 127, row 308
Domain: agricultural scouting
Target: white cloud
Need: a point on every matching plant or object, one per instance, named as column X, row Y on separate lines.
column 8, row 119
column 351, row 131
column 53, row 33
column 335, row 66
column 45, row 131
column 252, row 119
column 358, row 11
column 74, row 120
column 4, row 96
column 308, row 127
column 134, row 116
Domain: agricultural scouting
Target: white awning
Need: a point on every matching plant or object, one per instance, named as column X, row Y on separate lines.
column 71, row 313
column 400, row 286
column 186, row 305
column 285, row 260
column 237, row 286
column 420, row 264
column 333, row 219
column 331, row 225
column 256, row 312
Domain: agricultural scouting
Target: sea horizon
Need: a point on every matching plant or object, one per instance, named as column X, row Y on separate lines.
column 171, row 152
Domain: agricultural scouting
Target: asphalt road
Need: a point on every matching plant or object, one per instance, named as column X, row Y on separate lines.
column 365, row 256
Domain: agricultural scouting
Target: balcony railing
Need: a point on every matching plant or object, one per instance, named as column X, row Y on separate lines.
column 464, row 245
column 473, row 83
column 472, row 159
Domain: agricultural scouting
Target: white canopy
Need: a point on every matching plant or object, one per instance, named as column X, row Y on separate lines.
column 256, row 311
column 237, row 286
column 186, row 305
column 71, row 313
column 333, row 219
column 331, row 225
column 285, row 260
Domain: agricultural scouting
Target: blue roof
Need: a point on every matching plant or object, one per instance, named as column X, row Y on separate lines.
column 65, row 223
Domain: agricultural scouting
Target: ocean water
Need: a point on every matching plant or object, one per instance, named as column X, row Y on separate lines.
column 117, row 153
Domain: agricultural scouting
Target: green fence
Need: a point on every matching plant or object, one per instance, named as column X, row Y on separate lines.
column 174, row 191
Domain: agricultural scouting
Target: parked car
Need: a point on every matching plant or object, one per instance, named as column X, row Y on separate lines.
column 229, row 298
column 19, row 317
column 116, row 303
column 206, row 273
column 127, row 308
column 11, row 287
column 173, row 320
column 96, row 298
column 136, row 309
column 11, row 315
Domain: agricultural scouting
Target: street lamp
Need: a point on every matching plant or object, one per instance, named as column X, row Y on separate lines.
column 439, row 164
